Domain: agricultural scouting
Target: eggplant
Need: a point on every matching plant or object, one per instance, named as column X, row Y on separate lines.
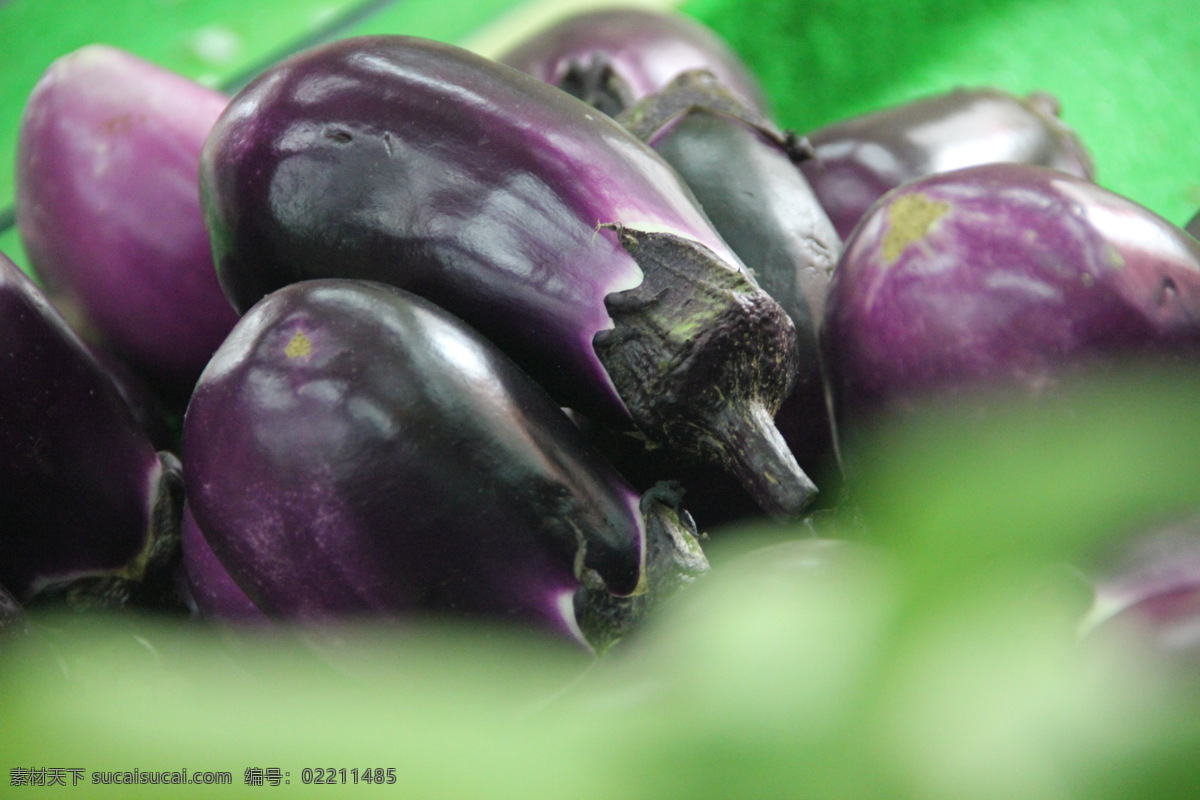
column 743, row 171
column 210, row 592
column 1149, row 590
column 1004, row 276
column 857, row 160
column 108, row 210
column 86, row 497
column 612, row 58
column 143, row 400
column 541, row 223
column 353, row 449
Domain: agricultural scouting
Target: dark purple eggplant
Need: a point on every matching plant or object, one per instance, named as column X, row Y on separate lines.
column 1005, row 275
column 146, row 404
column 86, row 497
column 541, row 223
column 857, row 160
column 108, row 209
column 209, row 590
column 612, row 58
column 743, row 171
column 353, row 449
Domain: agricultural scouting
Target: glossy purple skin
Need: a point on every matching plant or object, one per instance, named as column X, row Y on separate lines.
column 1003, row 274
column 857, row 160
column 209, row 587
column 143, row 401
column 477, row 186
column 79, row 475
column 645, row 49
column 353, row 449
column 108, row 209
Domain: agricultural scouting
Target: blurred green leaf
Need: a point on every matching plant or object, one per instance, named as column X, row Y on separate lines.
column 1039, row 479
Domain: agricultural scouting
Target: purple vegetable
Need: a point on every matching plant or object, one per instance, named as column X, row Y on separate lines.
column 1007, row 274
column 85, row 496
column 146, row 404
column 612, row 58
column 1151, row 590
column 354, row 449
column 743, row 172
column 108, row 209
column 541, row 223
column 209, row 589
column 858, row 160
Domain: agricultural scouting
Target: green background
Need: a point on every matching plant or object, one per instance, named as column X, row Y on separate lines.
column 940, row 673
column 1127, row 73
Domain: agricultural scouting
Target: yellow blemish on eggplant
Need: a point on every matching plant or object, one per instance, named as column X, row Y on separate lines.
column 1113, row 256
column 300, row 345
column 909, row 219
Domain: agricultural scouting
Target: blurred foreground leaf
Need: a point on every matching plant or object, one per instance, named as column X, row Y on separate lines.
column 924, row 661
column 1038, row 479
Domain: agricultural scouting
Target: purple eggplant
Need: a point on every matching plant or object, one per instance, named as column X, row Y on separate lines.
column 612, row 58
column 353, row 449
column 1006, row 275
column 209, row 590
column 743, row 171
column 146, row 404
column 541, row 223
column 857, row 160
column 1150, row 590
column 85, row 494
column 108, row 209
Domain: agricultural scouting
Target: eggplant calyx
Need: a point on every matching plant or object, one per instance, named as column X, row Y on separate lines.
column 702, row 358
column 700, row 91
column 674, row 559
column 148, row 580
column 598, row 84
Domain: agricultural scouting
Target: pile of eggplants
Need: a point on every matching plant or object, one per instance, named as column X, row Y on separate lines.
column 463, row 337
column 541, row 223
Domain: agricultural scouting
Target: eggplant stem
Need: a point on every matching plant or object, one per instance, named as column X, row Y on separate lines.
column 674, row 559
column 702, row 358
column 699, row 90
column 756, row 453
column 597, row 83
column 147, row 581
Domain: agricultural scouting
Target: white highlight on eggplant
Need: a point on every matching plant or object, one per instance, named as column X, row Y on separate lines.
column 564, row 601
